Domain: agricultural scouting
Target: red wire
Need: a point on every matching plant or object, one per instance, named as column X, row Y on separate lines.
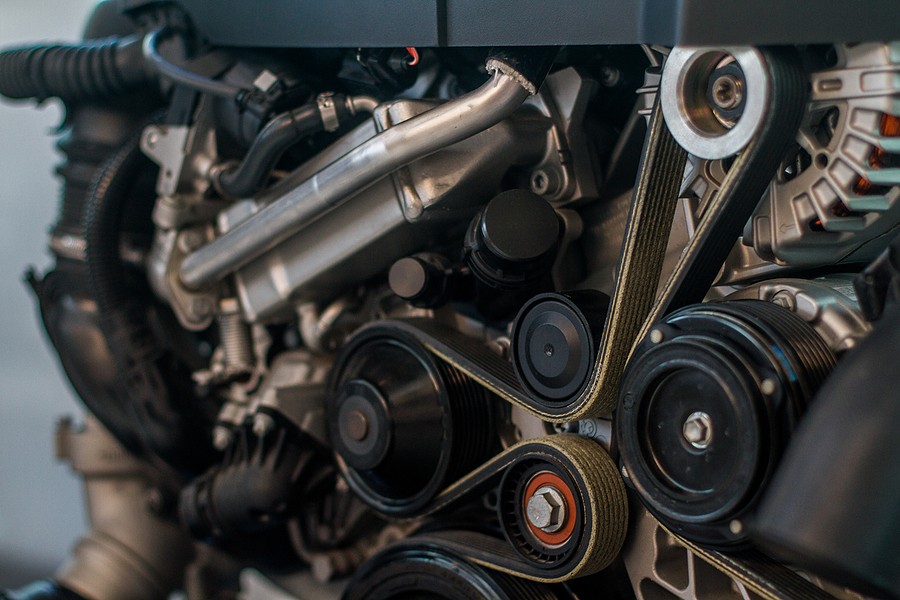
column 414, row 54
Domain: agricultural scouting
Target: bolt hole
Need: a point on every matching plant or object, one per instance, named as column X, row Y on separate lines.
column 821, row 160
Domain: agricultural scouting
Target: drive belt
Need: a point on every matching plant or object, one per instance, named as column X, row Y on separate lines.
column 598, row 491
column 725, row 215
column 631, row 316
column 768, row 579
column 640, row 265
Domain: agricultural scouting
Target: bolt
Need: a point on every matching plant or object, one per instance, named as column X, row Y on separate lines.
column 657, row 336
column 263, row 424
column 152, row 138
column 697, row 430
column 545, row 182
column 768, row 387
column 727, row 91
column 785, row 299
column 357, row 425
column 736, row 527
column 546, row 509
column 609, row 76
column 221, row 437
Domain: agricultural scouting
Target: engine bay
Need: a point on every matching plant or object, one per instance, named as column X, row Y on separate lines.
column 470, row 322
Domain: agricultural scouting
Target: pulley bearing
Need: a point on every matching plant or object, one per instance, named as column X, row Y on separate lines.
column 714, row 99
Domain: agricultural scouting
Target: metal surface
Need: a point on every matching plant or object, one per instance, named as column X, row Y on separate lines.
column 815, row 212
column 131, row 552
column 662, row 569
column 390, row 219
column 438, row 128
column 828, row 304
column 683, row 93
column 697, row 428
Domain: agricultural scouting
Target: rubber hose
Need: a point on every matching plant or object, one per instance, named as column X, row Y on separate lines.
column 278, row 135
column 150, row 385
column 90, row 70
column 182, row 76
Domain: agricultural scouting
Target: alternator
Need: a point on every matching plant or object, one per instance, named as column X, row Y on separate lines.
column 836, row 196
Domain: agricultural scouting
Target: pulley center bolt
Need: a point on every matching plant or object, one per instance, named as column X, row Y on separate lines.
column 357, row 425
column 697, row 430
column 727, row 91
column 546, row 509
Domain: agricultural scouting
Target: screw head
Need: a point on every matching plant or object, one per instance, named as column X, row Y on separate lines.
column 152, row 138
column 546, row 509
column 727, row 91
column 657, row 336
column 697, row 430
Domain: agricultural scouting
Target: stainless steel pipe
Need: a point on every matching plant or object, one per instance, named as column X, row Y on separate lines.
column 396, row 147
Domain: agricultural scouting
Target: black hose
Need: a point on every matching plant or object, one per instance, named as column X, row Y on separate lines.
column 90, row 70
column 157, row 397
column 277, row 136
column 182, row 76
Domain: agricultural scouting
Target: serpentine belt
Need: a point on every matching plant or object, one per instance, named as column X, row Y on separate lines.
column 631, row 316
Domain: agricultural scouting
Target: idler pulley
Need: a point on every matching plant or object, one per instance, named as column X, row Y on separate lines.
column 555, row 341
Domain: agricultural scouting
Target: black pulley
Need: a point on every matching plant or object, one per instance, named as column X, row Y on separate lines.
column 403, row 424
column 707, row 405
column 555, row 340
column 414, row 571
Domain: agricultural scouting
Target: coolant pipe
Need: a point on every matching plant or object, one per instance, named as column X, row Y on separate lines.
column 328, row 112
column 393, row 148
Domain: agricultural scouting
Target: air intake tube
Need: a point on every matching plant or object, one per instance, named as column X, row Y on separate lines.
column 76, row 73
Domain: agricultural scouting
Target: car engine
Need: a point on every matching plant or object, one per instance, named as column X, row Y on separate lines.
column 510, row 322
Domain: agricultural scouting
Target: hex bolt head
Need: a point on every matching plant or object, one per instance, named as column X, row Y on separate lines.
column 546, row 509
column 697, row 430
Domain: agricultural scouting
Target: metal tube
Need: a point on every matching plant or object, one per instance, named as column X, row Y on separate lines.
column 396, row 147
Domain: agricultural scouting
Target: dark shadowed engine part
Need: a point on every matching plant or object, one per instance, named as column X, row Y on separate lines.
column 428, row 571
column 706, row 409
column 404, row 424
column 510, row 247
column 257, row 487
column 832, row 505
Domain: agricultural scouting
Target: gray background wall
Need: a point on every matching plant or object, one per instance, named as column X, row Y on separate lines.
column 41, row 508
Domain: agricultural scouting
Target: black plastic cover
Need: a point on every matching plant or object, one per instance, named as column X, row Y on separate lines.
column 834, row 505
column 398, row 23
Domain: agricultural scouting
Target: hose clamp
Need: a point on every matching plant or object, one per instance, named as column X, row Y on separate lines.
column 328, row 111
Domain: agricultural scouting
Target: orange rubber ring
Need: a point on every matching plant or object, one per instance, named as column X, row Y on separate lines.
column 547, row 478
